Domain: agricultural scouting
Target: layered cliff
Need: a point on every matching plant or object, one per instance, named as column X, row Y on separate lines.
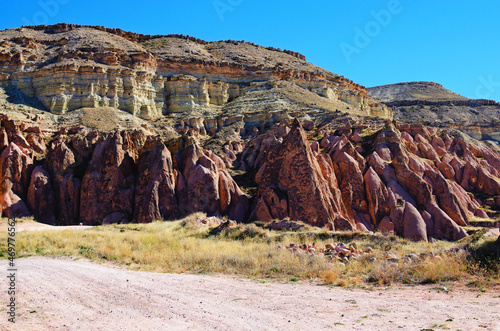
column 67, row 67
column 432, row 104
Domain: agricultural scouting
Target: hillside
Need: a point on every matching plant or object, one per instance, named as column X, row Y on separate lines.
column 432, row 104
column 427, row 91
column 66, row 67
column 103, row 126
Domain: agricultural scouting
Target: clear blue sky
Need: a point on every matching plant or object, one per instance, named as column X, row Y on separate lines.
column 455, row 43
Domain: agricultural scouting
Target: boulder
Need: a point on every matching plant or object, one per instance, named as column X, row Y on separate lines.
column 386, row 226
column 414, row 225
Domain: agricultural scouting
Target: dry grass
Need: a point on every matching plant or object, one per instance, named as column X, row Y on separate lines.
column 251, row 251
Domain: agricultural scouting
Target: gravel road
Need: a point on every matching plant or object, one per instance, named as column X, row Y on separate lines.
column 67, row 294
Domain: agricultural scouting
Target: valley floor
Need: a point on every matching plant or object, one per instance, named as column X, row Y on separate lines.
column 68, row 294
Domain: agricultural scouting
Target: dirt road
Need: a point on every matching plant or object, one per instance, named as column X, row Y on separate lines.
column 65, row 294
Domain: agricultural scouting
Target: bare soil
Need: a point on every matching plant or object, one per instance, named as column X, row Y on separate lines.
column 66, row 294
column 30, row 225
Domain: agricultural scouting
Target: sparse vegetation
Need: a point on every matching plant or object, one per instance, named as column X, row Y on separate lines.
column 251, row 250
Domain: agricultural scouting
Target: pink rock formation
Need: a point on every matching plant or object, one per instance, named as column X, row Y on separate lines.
column 377, row 196
column 40, row 197
column 59, row 162
column 418, row 183
column 107, row 191
column 155, row 192
column 293, row 175
column 15, row 166
column 209, row 187
column 413, row 224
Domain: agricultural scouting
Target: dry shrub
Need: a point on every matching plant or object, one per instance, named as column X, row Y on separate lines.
column 387, row 273
column 449, row 268
column 330, row 277
column 244, row 232
column 485, row 255
column 343, row 283
column 429, row 271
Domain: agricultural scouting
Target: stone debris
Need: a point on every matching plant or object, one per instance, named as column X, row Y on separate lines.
column 343, row 253
column 284, row 226
column 209, row 221
column 338, row 251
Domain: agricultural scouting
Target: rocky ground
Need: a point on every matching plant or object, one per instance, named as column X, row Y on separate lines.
column 66, row 294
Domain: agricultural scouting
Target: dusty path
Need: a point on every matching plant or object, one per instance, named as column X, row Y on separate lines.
column 65, row 294
column 30, row 225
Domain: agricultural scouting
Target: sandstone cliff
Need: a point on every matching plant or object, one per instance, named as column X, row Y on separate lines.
column 431, row 104
column 67, row 67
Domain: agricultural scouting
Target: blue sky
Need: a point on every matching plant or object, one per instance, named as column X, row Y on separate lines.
column 455, row 43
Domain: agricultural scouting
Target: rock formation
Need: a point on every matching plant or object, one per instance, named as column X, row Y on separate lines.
column 431, row 104
column 293, row 184
column 66, row 67
column 104, row 126
column 108, row 186
column 155, row 193
column 124, row 176
column 40, row 196
column 406, row 192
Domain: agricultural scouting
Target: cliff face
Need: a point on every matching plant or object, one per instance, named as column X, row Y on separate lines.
column 67, row 67
column 102, row 126
column 416, row 181
column 124, row 176
column 431, row 104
